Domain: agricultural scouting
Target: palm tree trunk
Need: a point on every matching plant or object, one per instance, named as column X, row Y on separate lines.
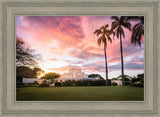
column 122, row 69
column 106, row 64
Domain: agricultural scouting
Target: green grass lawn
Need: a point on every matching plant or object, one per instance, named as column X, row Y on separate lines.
column 92, row 93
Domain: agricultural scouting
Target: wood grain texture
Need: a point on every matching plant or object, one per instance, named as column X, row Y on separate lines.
column 11, row 8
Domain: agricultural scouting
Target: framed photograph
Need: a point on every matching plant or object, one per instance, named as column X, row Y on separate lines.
column 79, row 58
column 72, row 65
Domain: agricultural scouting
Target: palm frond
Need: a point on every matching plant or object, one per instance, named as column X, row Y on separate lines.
column 99, row 41
column 122, row 33
column 98, row 32
column 114, row 25
column 134, row 18
column 106, row 26
column 122, row 19
column 105, row 35
column 111, row 32
column 137, row 32
column 109, row 38
column 113, row 35
column 142, row 20
column 117, row 33
column 127, row 25
column 102, row 28
column 115, row 18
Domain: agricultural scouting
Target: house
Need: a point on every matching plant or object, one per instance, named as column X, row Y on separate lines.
column 119, row 82
column 29, row 80
column 75, row 74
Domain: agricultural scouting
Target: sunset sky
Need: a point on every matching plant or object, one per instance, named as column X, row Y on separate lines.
column 68, row 41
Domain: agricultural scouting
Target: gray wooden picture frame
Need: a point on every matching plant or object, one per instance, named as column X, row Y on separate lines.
column 9, row 9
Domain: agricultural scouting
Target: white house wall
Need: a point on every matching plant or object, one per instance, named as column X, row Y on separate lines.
column 29, row 80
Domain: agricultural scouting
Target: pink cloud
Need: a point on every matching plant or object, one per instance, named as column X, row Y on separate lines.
column 73, row 36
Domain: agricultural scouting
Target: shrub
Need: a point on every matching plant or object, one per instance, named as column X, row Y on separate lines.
column 66, row 83
column 83, row 83
column 126, row 79
column 28, row 85
column 114, row 84
column 19, row 80
column 127, row 83
column 44, row 82
column 136, row 79
column 140, row 84
column 36, row 83
column 57, row 84
column 109, row 82
column 44, row 85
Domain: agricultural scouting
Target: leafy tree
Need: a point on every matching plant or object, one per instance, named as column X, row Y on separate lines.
column 24, row 71
column 38, row 71
column 141, row 76
column 127, row 83
column 50, row 76
column 114, row 84
column 117, row 25
column 103, row 34
column 95, row 76
column 138, row 29
column 25, row 55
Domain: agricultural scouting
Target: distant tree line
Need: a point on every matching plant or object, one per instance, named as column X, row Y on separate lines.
column 81, row 83
column 135, row 81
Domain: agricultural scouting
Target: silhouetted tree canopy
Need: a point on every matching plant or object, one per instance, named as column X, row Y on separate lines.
column 25, row 55
column 24, row 72
column 38, row 71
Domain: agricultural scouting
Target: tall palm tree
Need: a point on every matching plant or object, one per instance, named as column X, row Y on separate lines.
column 103, row 36
column 138, row 29
column 117, row 25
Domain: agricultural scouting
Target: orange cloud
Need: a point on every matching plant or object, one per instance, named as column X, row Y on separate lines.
column 61, row 69
column 53, row 59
